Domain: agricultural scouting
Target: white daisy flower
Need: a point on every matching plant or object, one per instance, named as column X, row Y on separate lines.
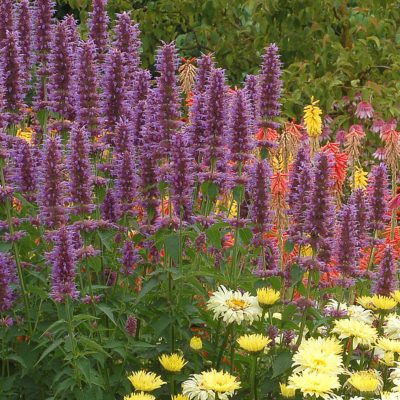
column 234, row 306
column 392, row 326
column 359, row 313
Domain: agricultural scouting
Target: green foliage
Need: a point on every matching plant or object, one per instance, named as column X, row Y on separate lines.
column 329, row 48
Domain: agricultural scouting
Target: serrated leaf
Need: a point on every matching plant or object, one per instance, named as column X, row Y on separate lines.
column 282, row 363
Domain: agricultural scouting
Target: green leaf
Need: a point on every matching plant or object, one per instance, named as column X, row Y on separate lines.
column 282, row 363
column 92, row 345
column 52, row 347
column 108, row 311
column 171, row 244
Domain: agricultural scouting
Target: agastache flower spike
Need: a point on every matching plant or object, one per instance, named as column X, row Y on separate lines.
column 378, row 195
column 87, row 101
column 98, row 27
column 123, row 139
column 63, row 259
column 128, row 43
column 13, row 75
column 80, row 172
column 239, row 128
column 321, row 213
column 205, row 65
column 259, row 191
column 346, row 242
column 52, row 188
column 131, row 325
column 251, row 88
column 270, row 87
column 24, row 27
column 74, row 38
column 386, row 278
column 359, row 201
column 60, row 69
column 125, row 181
column 167, row 93
column 6, row 18
column 139, row 96
column 181, row 176
column 130, row 257
column 8, row 276
column 109, row 208
column 115, row 95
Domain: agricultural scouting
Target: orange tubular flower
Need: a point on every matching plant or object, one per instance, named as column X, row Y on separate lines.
column 268, row 134
column 340, row 164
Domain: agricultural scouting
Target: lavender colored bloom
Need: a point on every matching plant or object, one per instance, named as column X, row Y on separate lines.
column 386, row 277
column 63, row 261
column 196, row 129
column 71, row 26
column 300, row 181
column 139, row 95
column 167, row 94
column 24, row 28
column 51, row 196
column 125, row 181
column 98, row 24
column 24, row 172
column 364, row 110
column 239, row 128
column 270, row 86
column 87, row 102
column 268, row 262
column 60, row 68
column 131, row 325
column 80, row 170
column 13, row 74
column 378, row 194
column 251, row 89
column 123, row 137
column 6, row 18
column 215, row 155
column 359, row 201
column 346, row 247
column 109, row 209
column 341, row 136
column 128, row 43
column 8, row 276
column 259, row 191
column 205, row 65
column 115, row 95
column 130, row 257
column 181, row 176
column 321, row 213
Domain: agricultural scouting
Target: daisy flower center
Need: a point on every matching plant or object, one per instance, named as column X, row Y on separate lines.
column 237, row 304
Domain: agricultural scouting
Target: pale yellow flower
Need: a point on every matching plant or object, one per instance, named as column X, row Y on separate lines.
column 253, row 343
column 267, row 296
column 383, row 303
column 172, row 362
column 145, row 381
column 366, row 381
column 196, row 343
column 286, row 391
column 361, row 332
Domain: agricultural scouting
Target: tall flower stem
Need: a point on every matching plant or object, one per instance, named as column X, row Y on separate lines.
column 394, row 213
column 223, row 346
column 15, row 249
column 253, row 379
column 303, row 321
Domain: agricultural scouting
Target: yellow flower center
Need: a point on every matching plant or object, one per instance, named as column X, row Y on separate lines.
column 237, row 304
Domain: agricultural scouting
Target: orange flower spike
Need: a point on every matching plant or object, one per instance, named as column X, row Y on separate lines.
column 279, row 184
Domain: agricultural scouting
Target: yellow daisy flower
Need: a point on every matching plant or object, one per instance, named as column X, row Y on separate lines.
column 253, row 343
column 366, row 302
column 388, row 345
column 383, row 303
column 145, row 381
column 139, row 396
column 219, row 381
column 366, row 381
column 179, row 397
column 361, row 332
column 396, row 295
column 267, row 296
column 172, row 362
column 196, row 343
column 311, row 383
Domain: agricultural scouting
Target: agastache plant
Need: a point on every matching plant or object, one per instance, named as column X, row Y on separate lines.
column 98, row 24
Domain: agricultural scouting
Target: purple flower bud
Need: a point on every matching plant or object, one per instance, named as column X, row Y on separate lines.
column 259, row 191
column 24, row 28
column 63, row 261
column 87, row 103
column 51, row 196
column 378, row 195
column 130, row 257
column 80, row 170
column 98, row 26
column 60, row 69
column 359, row 201
column 109, row 208
column 125, row 181
column 386, row 278
column 8, row 277
column 131, row 325
column 270, row 86
column 6, row 18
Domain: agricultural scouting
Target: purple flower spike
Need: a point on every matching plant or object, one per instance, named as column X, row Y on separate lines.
column 71, row 25
column 131, row 325
column 167, row 94
column 8, row 277
column 80, row 171
column 115, row 95
column 259, row 190
column 239, row 128
column 268, row 263
column 60, row 69
column 128, row 43
column 123, row 137
column 300, row 181
column 63, row 260
column 98, row 27
column 24, row 27
column 321, row 213
column 6, row 18
column 359, row 201
column 378, row 195
column 205, row 65
column 346, row 242
column 251, row 88
column 87, row 103
column 109, row 208
column 386, row 277
column 52, row 187
column 270, row 87
column 130, row 257
column 181, row 176
column 125, row 182
column 24, row 173
column 13, row 75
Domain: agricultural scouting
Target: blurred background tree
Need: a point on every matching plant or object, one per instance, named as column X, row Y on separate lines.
column 330, row 48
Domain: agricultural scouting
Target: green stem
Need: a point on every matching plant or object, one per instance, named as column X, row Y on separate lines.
column 350, row 352
column 223, row 346
column 303, row 320
column 253, row 380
